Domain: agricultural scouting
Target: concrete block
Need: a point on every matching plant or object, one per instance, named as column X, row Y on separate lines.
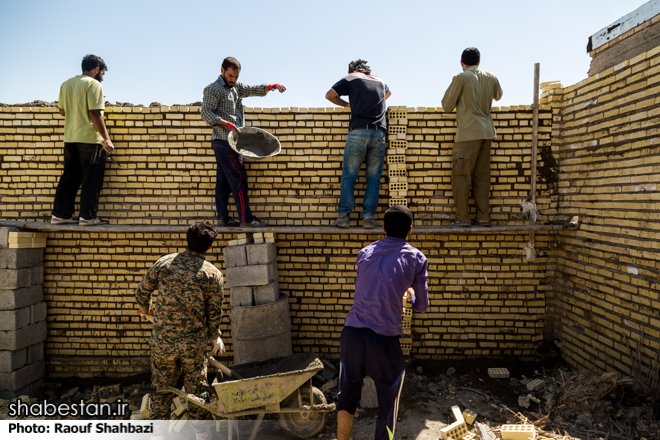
column 536, row 385
column 145, row 407
column 19, row 298
column 262, row 253
column 456, row 430
column 241, row 296
column 235, row 256
column 15, row 278
column 17, row 339
column 37, row 275
column 4, row 236
column 16, row 380
column 517, row 432
column 38, row 312
column 31, row 390
column 469, row 416
column 12, row 360
column 458, row 415
column 257, row 275
column 35, row 353
column 266, row 294
column 498, row 373
column 14, row 319
column 21, row 258
column 369, row 398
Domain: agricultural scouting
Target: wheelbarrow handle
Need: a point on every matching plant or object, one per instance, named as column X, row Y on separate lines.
column 147, row 389
column 224, row 369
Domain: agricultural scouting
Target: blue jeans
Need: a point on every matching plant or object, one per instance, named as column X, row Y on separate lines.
column 360, row 145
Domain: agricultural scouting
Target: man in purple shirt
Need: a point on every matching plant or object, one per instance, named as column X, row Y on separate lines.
column 386, row 270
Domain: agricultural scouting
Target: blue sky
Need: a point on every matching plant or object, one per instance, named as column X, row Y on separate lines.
column 168, row 51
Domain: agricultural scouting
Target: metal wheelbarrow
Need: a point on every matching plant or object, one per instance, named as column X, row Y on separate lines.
column 280, row 386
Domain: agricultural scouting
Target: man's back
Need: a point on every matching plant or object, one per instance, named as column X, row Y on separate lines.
column 471, row 93
column 78, row 96
column 385, row 270
column 367, row 94
column 190, row 294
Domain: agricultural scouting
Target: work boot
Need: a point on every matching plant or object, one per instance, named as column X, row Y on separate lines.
column 228, row 222
column 459, row 224
column 343, row 221
column 370, row 223
column 255, row 223
column 63, row 221
column 92, row 222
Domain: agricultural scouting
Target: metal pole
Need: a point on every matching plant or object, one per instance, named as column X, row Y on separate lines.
column 535, row 139
column 530, row 251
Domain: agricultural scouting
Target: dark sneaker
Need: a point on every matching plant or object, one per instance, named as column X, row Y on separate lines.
column 459, row 224
column 370, row 223
column 342, row 222
column 92, row 221
column 484, row 223
column 255, row 223
column 228, row 222
column 63, row 221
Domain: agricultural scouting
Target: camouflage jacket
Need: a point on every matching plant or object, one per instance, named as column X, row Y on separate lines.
column 187, row 310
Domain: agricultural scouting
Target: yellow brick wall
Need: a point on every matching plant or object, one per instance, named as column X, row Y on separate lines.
column 606, row 138
column 486, row 300
column 168, row 168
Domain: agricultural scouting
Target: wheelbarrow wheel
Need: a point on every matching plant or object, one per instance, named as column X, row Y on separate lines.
column 303, row 424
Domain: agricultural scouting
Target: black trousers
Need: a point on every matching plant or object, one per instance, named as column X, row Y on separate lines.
column 364, row 352
column 84, row 167
column 231, row 178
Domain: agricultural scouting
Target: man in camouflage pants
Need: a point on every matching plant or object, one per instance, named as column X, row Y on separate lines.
column 187, row 316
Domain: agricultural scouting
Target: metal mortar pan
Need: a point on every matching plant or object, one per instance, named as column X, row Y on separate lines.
column 254, row 143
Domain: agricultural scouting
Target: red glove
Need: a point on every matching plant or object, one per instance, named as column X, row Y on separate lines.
column 279, row 87
column 144, row 316
column 231, row 127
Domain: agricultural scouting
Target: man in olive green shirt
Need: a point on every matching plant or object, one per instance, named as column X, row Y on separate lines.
column 85, row 140
column 471, row 93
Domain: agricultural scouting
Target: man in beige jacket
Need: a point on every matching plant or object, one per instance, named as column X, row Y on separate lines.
column 471, row 93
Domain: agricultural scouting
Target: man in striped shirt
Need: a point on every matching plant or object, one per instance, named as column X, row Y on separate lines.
column 222, row 109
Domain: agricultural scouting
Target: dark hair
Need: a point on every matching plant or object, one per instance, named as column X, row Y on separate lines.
column 471, row 56
column 231, row 62
column 201, row 236
column 359, row 66
column 398, row 220
column 91, row 62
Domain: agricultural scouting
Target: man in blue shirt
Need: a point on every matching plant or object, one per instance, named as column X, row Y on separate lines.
column 369, row 345
column 365, row 141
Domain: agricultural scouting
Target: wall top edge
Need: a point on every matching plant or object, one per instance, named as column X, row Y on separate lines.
column 255, row 110
column 326, row 230
column 624, row 24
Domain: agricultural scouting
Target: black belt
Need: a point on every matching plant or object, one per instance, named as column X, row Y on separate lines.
column 367, row 127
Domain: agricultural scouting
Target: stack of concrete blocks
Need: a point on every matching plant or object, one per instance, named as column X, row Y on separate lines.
column 260, row 316
column 22, row 313
column 397, row 123
column 252, row 270
column 406, row 327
